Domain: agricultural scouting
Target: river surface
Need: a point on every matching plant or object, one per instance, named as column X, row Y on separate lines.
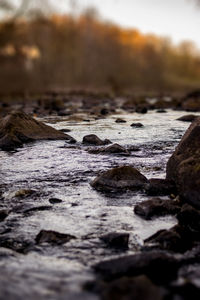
column 57, row 169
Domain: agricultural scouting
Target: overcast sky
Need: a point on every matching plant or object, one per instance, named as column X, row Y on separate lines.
column 179, row 19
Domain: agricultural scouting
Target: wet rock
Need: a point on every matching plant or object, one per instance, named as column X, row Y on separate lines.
column 189, row 217
column 192, row 256
column 161, row 111
column 120, row 178
column 104, row 111
column 119, row 120
column 183, row 236
column 184, row 165
column 17, row 244
column 5, row 252
column 3, row 214
column 55, row 200
column 18, row 128
column 141, row 109
column 187, row 118
column 156, row 208
column 23, row 193
column 159, row 266
column 186, row 288
column 53, row 237
column 191, row 102
column 160, row 187
column 133, row 148
column 171, row 240
column 64, row 130
column 137, row 288
column 92, row 139
column 71, row 141
column 116, row 240
column 54, row 104
column 37, row 208
column 115, row 148
column 137, row 125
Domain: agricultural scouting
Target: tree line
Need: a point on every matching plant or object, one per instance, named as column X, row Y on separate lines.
column 66, row 52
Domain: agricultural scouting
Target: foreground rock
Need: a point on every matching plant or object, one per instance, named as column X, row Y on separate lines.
column 116, row 240
column 18, row 128
column 120, row 178
column 173, row 239
column 184, row 165
column 189, row 218
column 93, row 139
column 159, row 266
column 53, row 237
column 125, row 288
column 160, row 187
column 183, row 236
column 156, row 208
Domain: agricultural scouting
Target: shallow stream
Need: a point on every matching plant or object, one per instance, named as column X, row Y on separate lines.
column 60, row 170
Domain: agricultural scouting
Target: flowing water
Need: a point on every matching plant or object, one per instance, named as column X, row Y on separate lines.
column 57, row 169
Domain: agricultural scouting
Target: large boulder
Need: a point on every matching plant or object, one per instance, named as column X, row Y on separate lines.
column 120, row 178
column 184, row 165
column 18, row 128
column 160, row 267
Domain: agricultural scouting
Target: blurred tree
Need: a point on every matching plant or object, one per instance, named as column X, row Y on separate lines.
column 43, row 51
column 6, row 5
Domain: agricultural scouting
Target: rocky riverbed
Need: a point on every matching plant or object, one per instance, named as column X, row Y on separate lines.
column 53, row 220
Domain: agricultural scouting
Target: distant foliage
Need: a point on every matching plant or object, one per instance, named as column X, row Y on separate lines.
column 85, row 52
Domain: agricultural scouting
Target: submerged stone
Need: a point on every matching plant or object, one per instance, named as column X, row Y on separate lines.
column 137, row 125
column 53, row 237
